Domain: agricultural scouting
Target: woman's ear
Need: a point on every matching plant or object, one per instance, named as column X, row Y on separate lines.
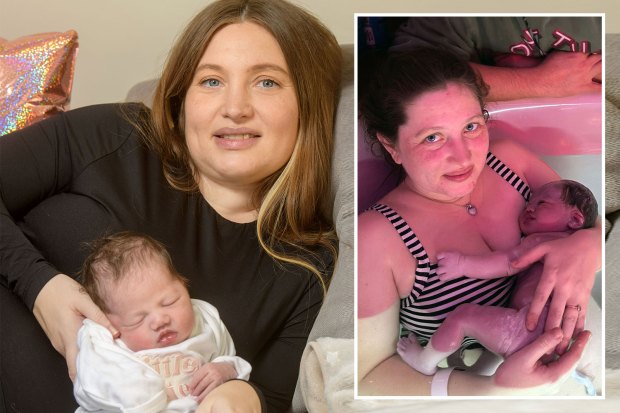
column 389, row 146
column 576, row 219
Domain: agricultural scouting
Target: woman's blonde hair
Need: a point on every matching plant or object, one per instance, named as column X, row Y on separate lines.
column 293, row 205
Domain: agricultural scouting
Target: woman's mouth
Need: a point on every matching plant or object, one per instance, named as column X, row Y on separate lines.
column 237, row 137
column 236, row 134
column 460, row 175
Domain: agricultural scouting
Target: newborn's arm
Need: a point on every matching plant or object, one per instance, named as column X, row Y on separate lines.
column 494, row 264
column 452, row 264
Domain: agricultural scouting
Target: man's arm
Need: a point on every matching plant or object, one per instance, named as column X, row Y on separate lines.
column 560, row 74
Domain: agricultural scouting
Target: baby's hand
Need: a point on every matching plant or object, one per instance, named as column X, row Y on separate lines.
column 449, row 265
column 209, row 376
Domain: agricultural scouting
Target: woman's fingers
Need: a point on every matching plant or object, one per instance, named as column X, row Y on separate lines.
column 88, row 309
column 60, row 308
column 569, row 321
column 581, row 320
column 530, row 355
column 525, row 369
column 71, row 358
column 573, row 321
column 569, row 360
column 557, row 307
column 529, row 370
column 541, row 295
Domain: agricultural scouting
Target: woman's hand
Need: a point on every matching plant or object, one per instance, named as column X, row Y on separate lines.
column 570, row 265
column 232, row 396
column 525, row 370
column 60, row 308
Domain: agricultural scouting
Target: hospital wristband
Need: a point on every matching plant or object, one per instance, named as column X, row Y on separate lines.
column 439, row 384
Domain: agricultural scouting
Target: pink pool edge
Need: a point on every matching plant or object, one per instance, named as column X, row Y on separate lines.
column 550, row 127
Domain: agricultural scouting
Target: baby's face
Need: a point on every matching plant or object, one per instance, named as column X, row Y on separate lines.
column 545, row 212
column 150, row 308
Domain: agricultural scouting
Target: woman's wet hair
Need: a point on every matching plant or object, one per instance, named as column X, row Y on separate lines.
column 402, row 77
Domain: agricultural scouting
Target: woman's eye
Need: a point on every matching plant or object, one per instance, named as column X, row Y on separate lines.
column 431, row 138
column 268, row 83
column 471, row 127
column 210, row 82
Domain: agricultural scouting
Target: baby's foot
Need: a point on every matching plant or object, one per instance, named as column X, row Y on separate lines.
column 412, row 353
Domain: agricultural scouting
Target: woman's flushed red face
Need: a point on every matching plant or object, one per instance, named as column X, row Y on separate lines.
column 443, row 144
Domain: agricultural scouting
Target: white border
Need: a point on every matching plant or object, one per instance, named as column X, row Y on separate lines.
column 355, row 231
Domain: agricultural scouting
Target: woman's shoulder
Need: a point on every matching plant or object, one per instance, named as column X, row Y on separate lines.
column 108, row 111
column 104, row 127
column 120, row 115
column 371, row 222
column 386, row 269
column 374, row 218
column 376, row 232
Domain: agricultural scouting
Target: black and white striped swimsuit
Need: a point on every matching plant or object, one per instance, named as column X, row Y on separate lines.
column 431, row 300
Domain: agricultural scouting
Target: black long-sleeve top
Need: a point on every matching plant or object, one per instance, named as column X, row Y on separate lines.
column 76, row 176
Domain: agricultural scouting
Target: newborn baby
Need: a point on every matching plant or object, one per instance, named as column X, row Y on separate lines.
column 555, row 211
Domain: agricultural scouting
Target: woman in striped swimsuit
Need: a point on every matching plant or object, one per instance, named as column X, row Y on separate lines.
column 426, row 109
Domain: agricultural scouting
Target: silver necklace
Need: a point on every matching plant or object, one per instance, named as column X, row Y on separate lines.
column 471, row 209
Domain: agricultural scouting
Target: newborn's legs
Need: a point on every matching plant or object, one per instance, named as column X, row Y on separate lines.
column 423, row 359
column 500, row 330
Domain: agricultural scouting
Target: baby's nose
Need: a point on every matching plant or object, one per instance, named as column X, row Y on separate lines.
column 160, row 321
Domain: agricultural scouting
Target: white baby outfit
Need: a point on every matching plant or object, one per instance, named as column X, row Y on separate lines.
column 112, row 378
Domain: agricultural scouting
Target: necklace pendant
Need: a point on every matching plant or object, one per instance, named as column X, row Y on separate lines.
column 471, row 210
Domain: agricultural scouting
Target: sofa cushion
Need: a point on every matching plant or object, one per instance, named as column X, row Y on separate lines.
column 36, row 76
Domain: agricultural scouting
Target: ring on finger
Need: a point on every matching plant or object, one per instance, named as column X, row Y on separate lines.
column 576, row 307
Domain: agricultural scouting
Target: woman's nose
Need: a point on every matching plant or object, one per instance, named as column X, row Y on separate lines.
column 459, row 149
column 237, row 103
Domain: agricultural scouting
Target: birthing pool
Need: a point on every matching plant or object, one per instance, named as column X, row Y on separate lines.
column 565, row 132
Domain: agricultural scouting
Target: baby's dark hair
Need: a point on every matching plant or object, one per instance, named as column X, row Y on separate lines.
column 113, row 256
column 402, row 77
column 578, row 195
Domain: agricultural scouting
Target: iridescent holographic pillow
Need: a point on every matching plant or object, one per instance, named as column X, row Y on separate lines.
column 36, row 75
